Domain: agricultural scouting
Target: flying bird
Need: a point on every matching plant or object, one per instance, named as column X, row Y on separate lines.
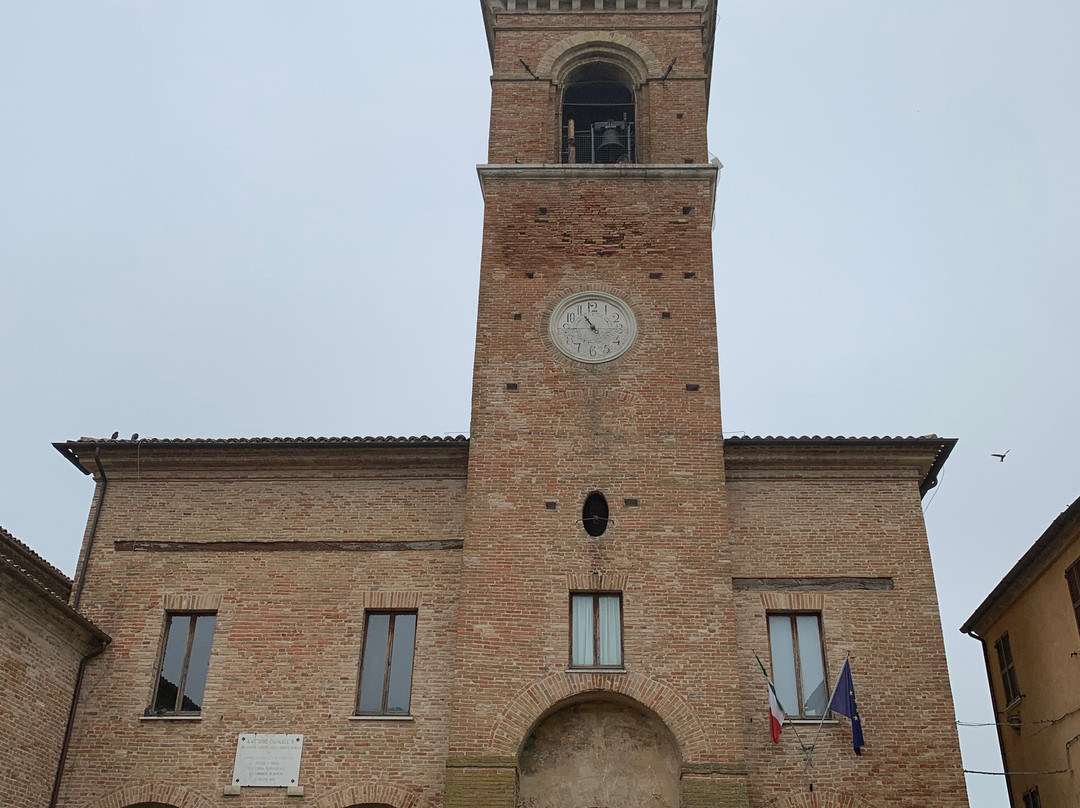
column 1000, row 457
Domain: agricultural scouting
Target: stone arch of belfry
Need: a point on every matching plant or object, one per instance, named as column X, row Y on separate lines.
column 530, row 705
column 372, row 794
column 153, row 794
column 633, row 56
column 820, row 798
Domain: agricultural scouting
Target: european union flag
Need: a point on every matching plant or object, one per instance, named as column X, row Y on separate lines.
column 843, row 702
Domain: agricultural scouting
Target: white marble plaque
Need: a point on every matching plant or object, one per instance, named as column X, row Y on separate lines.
column 264, row 759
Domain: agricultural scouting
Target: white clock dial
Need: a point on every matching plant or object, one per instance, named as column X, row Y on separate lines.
column 592, row 327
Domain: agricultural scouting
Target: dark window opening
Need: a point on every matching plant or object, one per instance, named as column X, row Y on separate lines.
column 386, row 663
column 594, row 514
column 598, row 116
column 185, row 661
column 1031, row 798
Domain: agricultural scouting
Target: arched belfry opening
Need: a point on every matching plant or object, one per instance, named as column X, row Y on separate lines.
column 598, row 123
column 599, row 751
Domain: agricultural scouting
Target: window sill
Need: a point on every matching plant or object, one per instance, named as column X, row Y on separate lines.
column 382, row 718
column 170, row 718
column 811, row 721
column 596, row 670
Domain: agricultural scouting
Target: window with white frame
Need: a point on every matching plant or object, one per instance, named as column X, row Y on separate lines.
column 798, row 664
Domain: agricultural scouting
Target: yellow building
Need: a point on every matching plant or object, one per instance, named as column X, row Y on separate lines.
column 1030, row 630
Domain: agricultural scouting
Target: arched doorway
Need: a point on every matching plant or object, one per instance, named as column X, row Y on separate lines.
column 599, row 753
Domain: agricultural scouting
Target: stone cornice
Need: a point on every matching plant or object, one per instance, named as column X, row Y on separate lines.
column 620, row 172
column 492, row 9
column 357, row 458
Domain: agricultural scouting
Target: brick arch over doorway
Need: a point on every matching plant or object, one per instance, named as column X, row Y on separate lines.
column 153, row 794
column 530, row 705
column 372, row 796
column 820, row 798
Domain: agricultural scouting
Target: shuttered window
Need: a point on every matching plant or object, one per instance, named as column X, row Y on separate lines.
column 1031, row 798
column 1008, row 669
column 1072, row 576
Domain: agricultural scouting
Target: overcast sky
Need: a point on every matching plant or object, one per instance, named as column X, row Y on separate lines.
column 227, row 219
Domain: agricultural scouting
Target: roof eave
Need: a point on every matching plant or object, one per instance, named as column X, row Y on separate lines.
column 1047, row 545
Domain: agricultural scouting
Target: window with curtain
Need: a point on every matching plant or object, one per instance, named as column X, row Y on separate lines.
column 798, row 664
column 596, row 630
column 386, row 663
column 185, row 662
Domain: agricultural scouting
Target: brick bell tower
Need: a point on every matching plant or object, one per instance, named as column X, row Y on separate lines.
column 595, row 659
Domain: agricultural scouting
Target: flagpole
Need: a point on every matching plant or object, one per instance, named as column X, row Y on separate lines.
column 825, row 712
column 794, row 728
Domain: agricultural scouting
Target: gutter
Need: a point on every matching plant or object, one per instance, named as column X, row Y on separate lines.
column 931, row 479
column 993, row 703
column 102, row 486
column 71, row 720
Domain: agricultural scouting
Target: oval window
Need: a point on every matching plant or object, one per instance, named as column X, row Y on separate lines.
column 594, row 514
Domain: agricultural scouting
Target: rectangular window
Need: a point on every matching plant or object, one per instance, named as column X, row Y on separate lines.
column 386, row 663
column 1031, row 798
column 596, row 630
column 798, row 664
column 185, row 661
column 1008, row 669
column 1072, row 577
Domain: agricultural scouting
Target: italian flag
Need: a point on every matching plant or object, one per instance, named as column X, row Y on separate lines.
column 776, row 712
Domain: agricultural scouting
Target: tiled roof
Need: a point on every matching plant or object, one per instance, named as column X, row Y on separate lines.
column 413, row 440
column 455, row 439
column 1063, row 529
column 33, row 566
column 944, row 447
column 834, row 439
column 22, row 563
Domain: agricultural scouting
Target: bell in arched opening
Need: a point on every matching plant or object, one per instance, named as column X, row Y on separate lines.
column 598, row 115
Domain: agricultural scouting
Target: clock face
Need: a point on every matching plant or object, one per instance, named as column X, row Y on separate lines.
column 592, row 327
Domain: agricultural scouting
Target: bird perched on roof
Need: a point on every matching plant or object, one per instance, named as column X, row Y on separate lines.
column 115, row 435
column 1000, row 457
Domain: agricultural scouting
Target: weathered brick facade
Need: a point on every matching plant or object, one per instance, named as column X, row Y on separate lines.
column 42, row 645
column 291, row 543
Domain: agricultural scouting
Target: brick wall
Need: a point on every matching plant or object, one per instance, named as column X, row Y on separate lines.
column 290, row 623
column 848, row 525
column 40, row 650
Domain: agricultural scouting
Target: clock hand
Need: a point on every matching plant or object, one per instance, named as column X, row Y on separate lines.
column 593, row 327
